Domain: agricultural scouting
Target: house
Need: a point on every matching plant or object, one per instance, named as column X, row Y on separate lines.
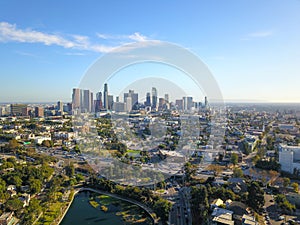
column 248, row 220
column 7, row 218
column 237, row 185
column 12, row 190
column 239, row 209
column 222, row 217
column 228, row 202
column 25, row 188
column 25, row 198
column 216, row 203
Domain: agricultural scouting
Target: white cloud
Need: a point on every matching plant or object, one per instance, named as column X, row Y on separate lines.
column 10, row 33
column 131, row 37
column 137, row 37
column 259, row 34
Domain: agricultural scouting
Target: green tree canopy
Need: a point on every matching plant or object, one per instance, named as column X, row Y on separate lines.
column 256, row 196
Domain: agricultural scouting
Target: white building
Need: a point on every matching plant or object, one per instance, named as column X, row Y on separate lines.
column 222, row 216
column 289, row 158
column 40, row 139
column 249, row 220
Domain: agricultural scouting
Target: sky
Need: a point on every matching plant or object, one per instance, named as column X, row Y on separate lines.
column 252, row 47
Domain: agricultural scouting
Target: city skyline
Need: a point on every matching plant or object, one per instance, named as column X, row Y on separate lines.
column 251, row 47
column 83, row 101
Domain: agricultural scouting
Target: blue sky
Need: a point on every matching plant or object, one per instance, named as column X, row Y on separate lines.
column 252, row 47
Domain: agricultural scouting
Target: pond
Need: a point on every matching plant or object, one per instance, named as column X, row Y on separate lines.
column 92, row 208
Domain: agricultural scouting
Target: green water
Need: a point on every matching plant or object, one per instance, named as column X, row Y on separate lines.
column 82, row 213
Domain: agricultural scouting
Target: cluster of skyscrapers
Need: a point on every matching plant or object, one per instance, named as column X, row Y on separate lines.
column 83, row 101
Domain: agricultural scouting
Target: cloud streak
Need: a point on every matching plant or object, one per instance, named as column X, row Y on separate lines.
column 133, row 37
column 10, row 33
column 259, row 34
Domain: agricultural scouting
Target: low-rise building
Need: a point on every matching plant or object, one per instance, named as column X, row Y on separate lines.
column 222, row 216
column 40, row 139
column 249, row 220
column 216, row 203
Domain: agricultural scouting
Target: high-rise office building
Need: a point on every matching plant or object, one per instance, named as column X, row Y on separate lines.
column 134, row 97
column 188, row 103
column 86, row 101
column 76, row 98
column 148, row 99
column 82, row 101
column 128, row 103
column 205, row 102
column 39, row 111
column 119, row 106
column 60, row 106
column 161, row 103
column 179, row 104
column 98, row 102
column 154, row 98
column 105, row 97
column 167, row 98
column 110, row 102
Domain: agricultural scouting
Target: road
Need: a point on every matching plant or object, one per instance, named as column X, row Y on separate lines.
column 180, row 213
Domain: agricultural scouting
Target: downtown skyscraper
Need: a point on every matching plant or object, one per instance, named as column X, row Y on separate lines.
column 105, row 97
column 82, row 101
column 154, row 98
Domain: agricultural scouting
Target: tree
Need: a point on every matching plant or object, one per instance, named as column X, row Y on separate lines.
column 65, row 148
column 199, row 205
column 14, row 204
column 256, row 196
column 284, row 204
column 295, row 186
column 238, row 172
column 162, row 208
column 286, row 182
column 70, row 170
column 47, row 143
column 189, row 170
column 2, row 185
column 13, row 144
column 234, row 158
column 35, row 185
column 76, row 149
column 16, row 180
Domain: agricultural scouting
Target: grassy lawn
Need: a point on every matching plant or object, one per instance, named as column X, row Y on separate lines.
column 53, row 211
column 133, row 151
column 106, row 200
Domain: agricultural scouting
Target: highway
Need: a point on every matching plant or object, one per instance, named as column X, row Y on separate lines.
column 180, row 213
